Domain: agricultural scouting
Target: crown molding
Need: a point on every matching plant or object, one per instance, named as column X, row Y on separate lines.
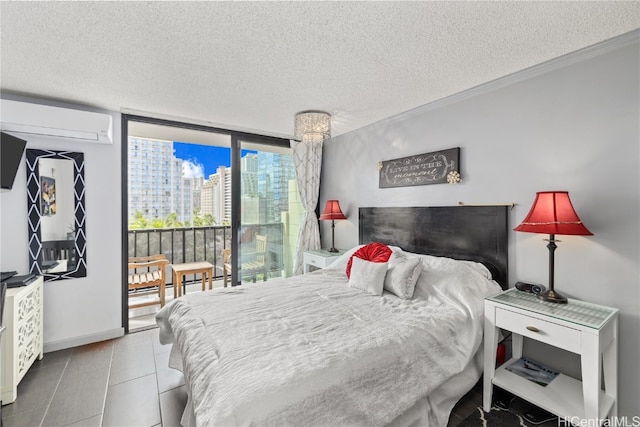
column 568, row 59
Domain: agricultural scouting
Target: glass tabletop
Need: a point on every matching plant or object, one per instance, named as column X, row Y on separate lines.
column 575, row 311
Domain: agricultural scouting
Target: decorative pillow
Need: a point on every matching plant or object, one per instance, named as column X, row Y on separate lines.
column 374, row 252
column 402, row 275
column 368, row 276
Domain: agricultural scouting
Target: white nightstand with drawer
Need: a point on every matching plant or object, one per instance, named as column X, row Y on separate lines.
column 589, row 330
column 319, row 259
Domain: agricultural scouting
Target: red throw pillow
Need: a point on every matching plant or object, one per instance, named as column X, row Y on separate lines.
column 374, row 252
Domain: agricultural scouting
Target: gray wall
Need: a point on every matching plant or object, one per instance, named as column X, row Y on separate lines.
column 570, row 124
column 88, row 309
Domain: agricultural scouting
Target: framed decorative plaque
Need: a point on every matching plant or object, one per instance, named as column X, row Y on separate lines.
column 421, row 169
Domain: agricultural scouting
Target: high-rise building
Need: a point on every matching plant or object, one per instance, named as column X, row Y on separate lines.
column 215, row 196
column 275, row 170
column 249, row 174
column 198, row 182
column 250, row 212
column 156, row 185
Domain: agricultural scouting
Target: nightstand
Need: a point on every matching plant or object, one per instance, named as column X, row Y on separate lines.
column 319, row 259
column 586, row 329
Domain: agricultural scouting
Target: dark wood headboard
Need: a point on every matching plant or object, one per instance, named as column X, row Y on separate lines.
column 475, row 233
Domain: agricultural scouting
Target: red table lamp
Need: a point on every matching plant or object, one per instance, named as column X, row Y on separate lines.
column 332, row 211
column 552, row 213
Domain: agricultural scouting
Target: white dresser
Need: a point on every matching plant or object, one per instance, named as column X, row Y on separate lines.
column 22, row 339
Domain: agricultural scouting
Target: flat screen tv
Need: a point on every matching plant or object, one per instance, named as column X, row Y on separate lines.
column 11, row 150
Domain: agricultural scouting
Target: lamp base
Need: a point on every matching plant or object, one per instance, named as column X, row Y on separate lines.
column 552, row 296
column 332, row 250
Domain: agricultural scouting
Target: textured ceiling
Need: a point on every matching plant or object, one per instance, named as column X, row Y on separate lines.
column 253, row 65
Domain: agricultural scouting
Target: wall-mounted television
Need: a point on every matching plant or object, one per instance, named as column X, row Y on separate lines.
column 11, row 151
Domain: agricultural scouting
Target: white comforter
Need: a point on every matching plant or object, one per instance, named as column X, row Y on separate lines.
column 311, row 351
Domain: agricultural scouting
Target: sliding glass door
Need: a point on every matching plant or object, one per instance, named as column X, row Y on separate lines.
column 269, row 211
column 194, row 193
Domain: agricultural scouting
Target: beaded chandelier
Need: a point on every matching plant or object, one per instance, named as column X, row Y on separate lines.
column 312, row 126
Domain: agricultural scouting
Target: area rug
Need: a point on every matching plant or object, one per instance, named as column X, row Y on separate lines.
column 496, row 418
column 500, row 417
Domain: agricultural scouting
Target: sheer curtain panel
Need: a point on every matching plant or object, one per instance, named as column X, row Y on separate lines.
column 307, row 160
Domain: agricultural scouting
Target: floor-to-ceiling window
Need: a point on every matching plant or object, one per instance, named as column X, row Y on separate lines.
column 192, row 191
column 270, row 211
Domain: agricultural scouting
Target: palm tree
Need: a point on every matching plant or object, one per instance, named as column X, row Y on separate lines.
column 138, row 222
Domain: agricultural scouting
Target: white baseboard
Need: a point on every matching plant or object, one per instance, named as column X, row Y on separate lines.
column 85, row 339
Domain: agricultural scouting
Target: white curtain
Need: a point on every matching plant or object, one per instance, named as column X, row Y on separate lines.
column 307, row 160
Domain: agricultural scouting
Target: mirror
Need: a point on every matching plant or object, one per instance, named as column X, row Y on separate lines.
column 56, row 214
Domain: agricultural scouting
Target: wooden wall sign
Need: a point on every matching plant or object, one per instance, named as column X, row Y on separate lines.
column 421, row 169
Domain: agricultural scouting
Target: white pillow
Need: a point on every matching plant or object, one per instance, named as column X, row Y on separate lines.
column 402, row 275
column 368, row 276
column 480, row 268
column 476, row 266
column 341, row 262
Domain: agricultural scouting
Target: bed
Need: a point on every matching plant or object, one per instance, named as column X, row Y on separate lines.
column 315, row 350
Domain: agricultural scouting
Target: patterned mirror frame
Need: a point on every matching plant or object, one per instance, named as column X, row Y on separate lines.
column 34, row 219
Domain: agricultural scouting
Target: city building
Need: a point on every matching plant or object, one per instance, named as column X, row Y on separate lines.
column 156, row 185
column 215, row 196
column 274, row 171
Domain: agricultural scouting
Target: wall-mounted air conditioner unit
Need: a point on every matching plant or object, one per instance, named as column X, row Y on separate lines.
column 36, row 119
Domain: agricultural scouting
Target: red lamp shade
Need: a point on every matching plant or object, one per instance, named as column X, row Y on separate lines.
column 332, row 211
column 553, row 213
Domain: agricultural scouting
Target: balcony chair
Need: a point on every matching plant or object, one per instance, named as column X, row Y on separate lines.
column 59, row 250
column 252, row 263
column 147, row 276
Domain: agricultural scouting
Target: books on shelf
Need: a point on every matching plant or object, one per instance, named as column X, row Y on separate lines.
column 533, row 371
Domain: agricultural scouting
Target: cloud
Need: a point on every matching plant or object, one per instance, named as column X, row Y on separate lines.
column 192, row 170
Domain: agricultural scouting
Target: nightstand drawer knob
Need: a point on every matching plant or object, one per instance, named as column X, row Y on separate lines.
column 533, row 329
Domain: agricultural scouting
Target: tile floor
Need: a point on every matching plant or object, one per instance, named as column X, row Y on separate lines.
column 120, row 382
column 465, row 406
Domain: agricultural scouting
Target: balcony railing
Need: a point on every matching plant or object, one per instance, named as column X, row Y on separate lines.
column 192, row 244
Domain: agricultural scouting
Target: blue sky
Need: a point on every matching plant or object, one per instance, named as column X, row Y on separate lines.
column 204, row 159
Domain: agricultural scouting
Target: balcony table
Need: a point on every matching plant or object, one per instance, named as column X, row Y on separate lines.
column 181, row 270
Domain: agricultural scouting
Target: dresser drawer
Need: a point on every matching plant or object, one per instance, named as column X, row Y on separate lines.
column 540, row 330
